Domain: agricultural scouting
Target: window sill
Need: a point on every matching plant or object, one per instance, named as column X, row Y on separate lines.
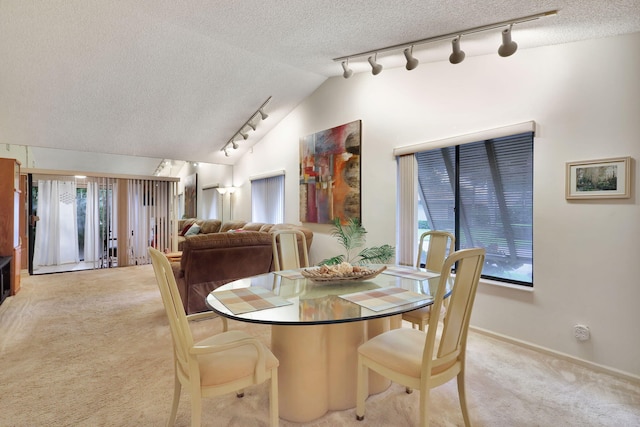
column 506, row 285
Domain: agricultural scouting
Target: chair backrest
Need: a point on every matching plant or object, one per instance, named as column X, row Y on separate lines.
column 286, row 251
column 453, row 338
column 441, row 244
column 178, row 323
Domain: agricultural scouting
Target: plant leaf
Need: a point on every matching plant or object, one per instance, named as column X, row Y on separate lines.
column 377, row 255
column 351, row 235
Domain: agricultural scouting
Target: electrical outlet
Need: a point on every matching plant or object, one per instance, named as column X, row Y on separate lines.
column 581, row 332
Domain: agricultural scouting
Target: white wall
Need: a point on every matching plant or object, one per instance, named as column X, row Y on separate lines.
column 208, row 175
column 584, row 98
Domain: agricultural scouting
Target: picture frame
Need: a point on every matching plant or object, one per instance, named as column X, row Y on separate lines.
column 330, row 174
column 599, row 179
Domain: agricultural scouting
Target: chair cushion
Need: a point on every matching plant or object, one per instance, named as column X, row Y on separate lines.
column 229, row 365
column 422, row 314
column 400, row 349
column 417, row 316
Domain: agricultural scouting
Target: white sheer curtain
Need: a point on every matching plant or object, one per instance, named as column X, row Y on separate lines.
column 210, row 205
column 57, row 230
column 407, row 210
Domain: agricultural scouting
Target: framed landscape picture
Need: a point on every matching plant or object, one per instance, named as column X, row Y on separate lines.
column 330, row 174
column 599, row 179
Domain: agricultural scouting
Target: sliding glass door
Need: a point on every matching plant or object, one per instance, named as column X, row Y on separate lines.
column 79, row 223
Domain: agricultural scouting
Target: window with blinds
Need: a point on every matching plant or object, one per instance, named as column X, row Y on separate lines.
column 267, row 200
column 483, row 193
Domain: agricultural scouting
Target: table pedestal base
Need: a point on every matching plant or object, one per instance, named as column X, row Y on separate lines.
column 318, row 366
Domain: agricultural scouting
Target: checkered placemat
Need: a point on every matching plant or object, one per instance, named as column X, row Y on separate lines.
column 409, row 273
column 290, row 274
column 384, row 298
column 244, row 300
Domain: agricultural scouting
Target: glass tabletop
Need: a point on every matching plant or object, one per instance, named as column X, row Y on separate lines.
column 287, row 297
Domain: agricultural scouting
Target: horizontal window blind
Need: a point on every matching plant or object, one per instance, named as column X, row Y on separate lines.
column 483, row 193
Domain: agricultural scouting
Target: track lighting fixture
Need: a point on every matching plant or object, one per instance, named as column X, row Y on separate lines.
column 375, row 67
column 412, row 62
column 347, row 71
column 458, row 55
column 241, row 132
column 507, row 48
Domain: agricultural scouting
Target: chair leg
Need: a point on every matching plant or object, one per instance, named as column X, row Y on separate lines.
column 177, row 387
column 196, row 409
column 424, row 408
column 462, row 395
column 362, row 388
column 273, row 399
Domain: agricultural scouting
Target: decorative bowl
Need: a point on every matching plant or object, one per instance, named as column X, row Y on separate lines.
column 317, row 275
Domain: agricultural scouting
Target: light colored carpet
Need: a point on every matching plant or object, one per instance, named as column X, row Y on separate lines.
column 92, row 348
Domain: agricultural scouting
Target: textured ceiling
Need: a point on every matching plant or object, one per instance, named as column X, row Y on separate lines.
column 176, row 79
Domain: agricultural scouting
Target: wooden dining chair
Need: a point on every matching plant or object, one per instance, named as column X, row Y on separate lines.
column 223, row 363
column 288, row 245
column 440, row 244
column 421, row 360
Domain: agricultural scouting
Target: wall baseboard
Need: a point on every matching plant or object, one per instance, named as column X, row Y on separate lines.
column 587, row 364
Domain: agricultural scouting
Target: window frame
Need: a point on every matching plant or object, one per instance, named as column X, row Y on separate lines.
column 272, row 187
column 407, row 223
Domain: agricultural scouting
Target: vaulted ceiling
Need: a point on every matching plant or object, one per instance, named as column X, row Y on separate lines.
column 176, row 79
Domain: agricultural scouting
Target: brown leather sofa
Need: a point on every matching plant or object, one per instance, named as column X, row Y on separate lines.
column 210, row 260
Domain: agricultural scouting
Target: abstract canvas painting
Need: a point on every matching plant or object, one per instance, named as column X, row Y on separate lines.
column 330, row 174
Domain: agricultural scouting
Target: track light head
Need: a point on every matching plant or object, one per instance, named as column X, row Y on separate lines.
column 348, row 72
column 508, row 47
column 458, row 55
column 263, row 115
column 234, row 144
column 412, row 62
column 375, row 67
column 226, row 153
column 251, row 125
column 244, row 135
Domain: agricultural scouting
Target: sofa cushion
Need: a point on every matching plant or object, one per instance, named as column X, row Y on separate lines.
column 253, row 226
column 231, row 225
column 265, row 228
column 208, row 226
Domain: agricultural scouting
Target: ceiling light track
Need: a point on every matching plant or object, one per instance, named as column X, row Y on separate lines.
column 507, row 48
column 242, row 132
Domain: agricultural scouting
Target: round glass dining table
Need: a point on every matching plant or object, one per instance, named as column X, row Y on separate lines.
column 316, row 328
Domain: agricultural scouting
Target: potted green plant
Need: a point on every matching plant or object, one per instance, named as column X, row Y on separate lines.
column 352, row 236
